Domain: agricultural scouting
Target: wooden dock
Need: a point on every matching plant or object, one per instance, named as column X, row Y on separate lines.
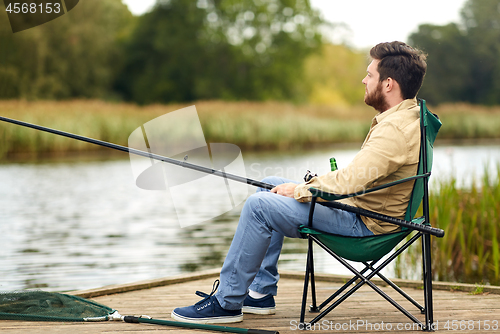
column 456, row 308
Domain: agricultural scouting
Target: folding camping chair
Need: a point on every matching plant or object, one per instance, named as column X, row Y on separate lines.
column 370, row 250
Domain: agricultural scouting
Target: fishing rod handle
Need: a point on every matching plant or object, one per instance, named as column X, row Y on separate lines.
column 131, row 319
column 437, row 232
column 418, row 227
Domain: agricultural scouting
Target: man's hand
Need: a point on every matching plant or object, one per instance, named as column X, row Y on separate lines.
column 285, row 189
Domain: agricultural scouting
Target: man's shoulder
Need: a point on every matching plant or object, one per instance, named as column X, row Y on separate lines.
column 404, row 117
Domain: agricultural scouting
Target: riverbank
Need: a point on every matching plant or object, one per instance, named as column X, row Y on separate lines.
column 250, row 125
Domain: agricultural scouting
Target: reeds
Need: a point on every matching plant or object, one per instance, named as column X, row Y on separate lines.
column 93, row 119
column 465, row 121
column 470, row 216
column 470, row 251
column 250, row 125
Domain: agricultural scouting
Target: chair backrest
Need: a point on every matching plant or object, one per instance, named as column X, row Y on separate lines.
column 429, row 127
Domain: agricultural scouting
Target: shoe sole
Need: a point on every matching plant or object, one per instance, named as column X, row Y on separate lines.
column 258, row 310
column 211, row 320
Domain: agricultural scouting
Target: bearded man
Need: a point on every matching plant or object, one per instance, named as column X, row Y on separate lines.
column 390, row 152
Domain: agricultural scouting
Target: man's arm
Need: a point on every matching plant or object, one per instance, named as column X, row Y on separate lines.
column 383, row 154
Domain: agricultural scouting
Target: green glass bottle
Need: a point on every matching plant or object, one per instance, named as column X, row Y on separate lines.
column 333, row 164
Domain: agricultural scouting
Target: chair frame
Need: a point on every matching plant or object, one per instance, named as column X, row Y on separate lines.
column 424, row 231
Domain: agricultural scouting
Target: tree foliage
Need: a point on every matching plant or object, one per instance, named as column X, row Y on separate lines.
column 76, row 55
column 187, row 50
column 464, row 58
column 334, row 76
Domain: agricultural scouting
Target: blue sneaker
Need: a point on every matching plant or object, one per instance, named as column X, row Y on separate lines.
column 207, row 311
column 264, row 305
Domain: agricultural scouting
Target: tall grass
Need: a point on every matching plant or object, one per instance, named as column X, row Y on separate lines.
column 281, row 125
column 88, row 118
column 465, row 121
column 250, row 125
column 470, row 216
column 470, row 251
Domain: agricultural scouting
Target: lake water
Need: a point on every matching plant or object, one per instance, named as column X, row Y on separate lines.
column 67, row 225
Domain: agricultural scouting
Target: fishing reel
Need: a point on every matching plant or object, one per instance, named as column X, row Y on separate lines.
column 309, row 176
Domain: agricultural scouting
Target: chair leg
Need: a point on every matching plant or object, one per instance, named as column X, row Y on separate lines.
column 309, row 265
column 313, row 307
column 401, row 292
column 427, row 272
column 389, row 282
column 342, row 289
column 363, row 280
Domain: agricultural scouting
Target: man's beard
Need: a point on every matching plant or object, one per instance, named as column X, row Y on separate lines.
column 376, row 99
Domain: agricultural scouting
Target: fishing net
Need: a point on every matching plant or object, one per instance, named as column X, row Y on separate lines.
column 50, row 306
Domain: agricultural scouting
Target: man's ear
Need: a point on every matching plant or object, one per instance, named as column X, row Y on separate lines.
column 389, row 84
column 392, row 86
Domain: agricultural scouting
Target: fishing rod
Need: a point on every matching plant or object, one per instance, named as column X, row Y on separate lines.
column 217, row 328
column 183, row 164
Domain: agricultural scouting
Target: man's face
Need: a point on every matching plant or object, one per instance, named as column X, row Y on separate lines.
column 374, row 96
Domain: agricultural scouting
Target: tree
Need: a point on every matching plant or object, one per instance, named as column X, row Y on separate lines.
column 75, row 55
column 335, row 75
column 481, row 19
column 464, row 59
column 187, row 50
column 448, row 64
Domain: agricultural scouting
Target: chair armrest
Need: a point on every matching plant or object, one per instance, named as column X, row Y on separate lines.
column 334, row 197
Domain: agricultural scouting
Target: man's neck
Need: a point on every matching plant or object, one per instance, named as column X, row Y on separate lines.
column 392, row 102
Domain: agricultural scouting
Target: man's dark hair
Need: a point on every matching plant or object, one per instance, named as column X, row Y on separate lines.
column 402, row 63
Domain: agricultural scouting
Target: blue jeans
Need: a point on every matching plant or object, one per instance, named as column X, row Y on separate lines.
column 266, row 218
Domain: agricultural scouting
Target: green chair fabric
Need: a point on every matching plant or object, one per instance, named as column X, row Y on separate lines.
column 359, row 249
column 432, row 125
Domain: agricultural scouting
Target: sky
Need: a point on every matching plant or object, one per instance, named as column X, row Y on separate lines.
column 369, row 21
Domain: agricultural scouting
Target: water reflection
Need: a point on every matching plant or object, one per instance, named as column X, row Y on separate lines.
column 76, row 225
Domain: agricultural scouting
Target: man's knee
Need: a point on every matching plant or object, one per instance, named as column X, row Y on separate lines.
column 255, row 200
column 270, row 211
column 256, row 210
column 260, row 202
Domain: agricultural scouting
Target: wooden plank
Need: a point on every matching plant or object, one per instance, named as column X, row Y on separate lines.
column 362, row 310
column 448, row 286
column 147, row 284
